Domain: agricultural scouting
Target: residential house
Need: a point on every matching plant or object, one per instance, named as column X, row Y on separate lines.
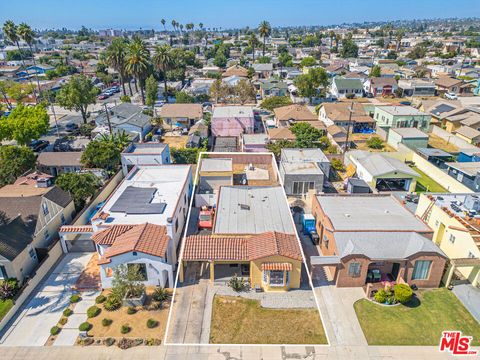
column 232, row 120
column 417, row 87
column 125, row 117
column 254, row 142
column 263, row 71
column 380, row 86
column 381, row 171
column 469, row 155
column 303, row 170
column 32, row 211
column 56, row 163
column 145, row 154
column 346, row 115
column 181, row 115
column 273, row 87
column 286, row 116
column 468, row 134
column 372, row 241
column 391, row 117
column 236, row 70
column 342, row 88
column 337, row 135
column 453, row 218
column 468, row 173
column 448, row 84
column 410, row 137
column 277, row 134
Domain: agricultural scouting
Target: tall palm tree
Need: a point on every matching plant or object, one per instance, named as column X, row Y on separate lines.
column 174, row 25
column 10, row 31
column 253, row 41
column 331, row 35
column 116, row 58
column 163, row 61
column 200, row 25
column 163, row 23
column 399, row 36
column 181, row 29
column 138, row 62
column 26, row 33
column 265, row 30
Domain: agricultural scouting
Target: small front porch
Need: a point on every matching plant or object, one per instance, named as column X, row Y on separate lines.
column 382, row 274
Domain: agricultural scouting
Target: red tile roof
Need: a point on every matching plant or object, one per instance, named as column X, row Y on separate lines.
column 108, row 236
column 75, row 229
column 241, row 248
column 146, row 238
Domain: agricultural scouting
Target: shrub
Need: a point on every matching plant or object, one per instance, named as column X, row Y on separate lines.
column 75, row 298
column 63, row 321
column 100, row 299
column 375, row 143
column 125, row 329
column 337, row 164
column 8, row 288
column 152, row 342
column 125, row 98
column 93, row 311
column 151, row 323
column 67, row 312
column 112, row 303
column 54, row 330
column 236, row 283
column 109, row 341
column 131, row 310
column 85, row 326
column 380, row 296
column 402, row 293
column 350, row 96
column 160, row 294
column 107, row 322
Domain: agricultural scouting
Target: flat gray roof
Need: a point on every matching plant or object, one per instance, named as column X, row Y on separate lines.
column 301, row 168
column 303, row 155
column 384, row 246
column 469, row 168
column 369, row 212
column 378, row 164
column 410, row 133
column 216, row 164
column 252, row 210
column 401, row 110
column 433, row 152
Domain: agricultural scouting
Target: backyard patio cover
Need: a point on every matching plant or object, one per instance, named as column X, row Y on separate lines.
column 324, row 260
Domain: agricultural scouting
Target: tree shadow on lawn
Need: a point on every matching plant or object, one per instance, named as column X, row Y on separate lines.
column 413, row 303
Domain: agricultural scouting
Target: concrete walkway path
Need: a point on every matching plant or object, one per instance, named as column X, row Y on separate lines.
column 469, row 297
column 31, row 326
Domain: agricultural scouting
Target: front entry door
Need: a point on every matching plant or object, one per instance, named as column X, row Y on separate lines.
column 395, row 269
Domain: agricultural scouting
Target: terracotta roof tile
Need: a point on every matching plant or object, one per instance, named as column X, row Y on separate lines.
column 295, row 112
column 73, row 228
column 108, row 236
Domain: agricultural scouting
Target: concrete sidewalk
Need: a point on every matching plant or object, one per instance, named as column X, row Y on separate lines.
column 469, row 296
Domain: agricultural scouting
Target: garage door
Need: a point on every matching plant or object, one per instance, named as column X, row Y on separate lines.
column 80, row 246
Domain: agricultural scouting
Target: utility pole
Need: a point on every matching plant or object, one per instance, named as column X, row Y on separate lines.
column 108, row 119
column 350, row 110
column 55, row 118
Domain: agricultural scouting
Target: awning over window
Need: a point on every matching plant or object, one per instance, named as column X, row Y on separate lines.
column 277, row 266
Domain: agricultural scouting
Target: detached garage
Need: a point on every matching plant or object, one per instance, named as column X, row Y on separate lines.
column 382, row 172
column 77, row 238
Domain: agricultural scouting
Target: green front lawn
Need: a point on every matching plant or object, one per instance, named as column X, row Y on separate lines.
column 418, row 323
column 5, row 306
column 237, row 320
column 426, row 183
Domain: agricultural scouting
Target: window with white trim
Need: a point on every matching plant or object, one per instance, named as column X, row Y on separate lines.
column 276, row 278
column 421, row 269
column 354, row 269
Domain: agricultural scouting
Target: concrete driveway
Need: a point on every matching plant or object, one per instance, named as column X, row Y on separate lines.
column 32, row 325
column 469, row 297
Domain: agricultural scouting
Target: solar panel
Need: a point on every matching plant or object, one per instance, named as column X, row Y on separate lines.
column 136, row 200
column 443, row 108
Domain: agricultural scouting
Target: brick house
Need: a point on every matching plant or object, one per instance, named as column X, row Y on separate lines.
column 373, row 241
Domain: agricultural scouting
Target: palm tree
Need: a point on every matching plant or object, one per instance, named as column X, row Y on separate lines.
column 138, row 62
column 331, row 35
column 116, row 58
column 265, row 30
column 163, row 23
column 253, row 41
column 26, row 33
column 163, row 61
column 200, row 25
column 174, row 25
column 181, row 29
column 399, row 36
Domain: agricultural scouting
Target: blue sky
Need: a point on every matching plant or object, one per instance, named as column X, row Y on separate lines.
column 133, row 14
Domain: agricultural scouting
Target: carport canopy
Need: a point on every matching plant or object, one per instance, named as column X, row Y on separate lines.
column 324, row 260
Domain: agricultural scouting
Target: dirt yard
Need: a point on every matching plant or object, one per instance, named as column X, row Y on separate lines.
column 438, row 143
column 137, row 321
column 176, row 141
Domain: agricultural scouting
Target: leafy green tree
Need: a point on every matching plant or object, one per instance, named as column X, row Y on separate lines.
column 220, row 60
column 102, row 154
column 337, row 164
column 418, row 52
column 14, row 161
column 244, row 91
column 264, row 60
column 309, row 84
column 81, row 186
column 181, row 97
column 185, row 155
column 264, row 29
column 375, row 71
column 25, row 123
column 375, row 143
column 77, row 94
column 285, row 59
column 306, row 135
column 274, row 102
column 308, row 62
column 277, row 146
column 349, row 49
column 151, row 91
